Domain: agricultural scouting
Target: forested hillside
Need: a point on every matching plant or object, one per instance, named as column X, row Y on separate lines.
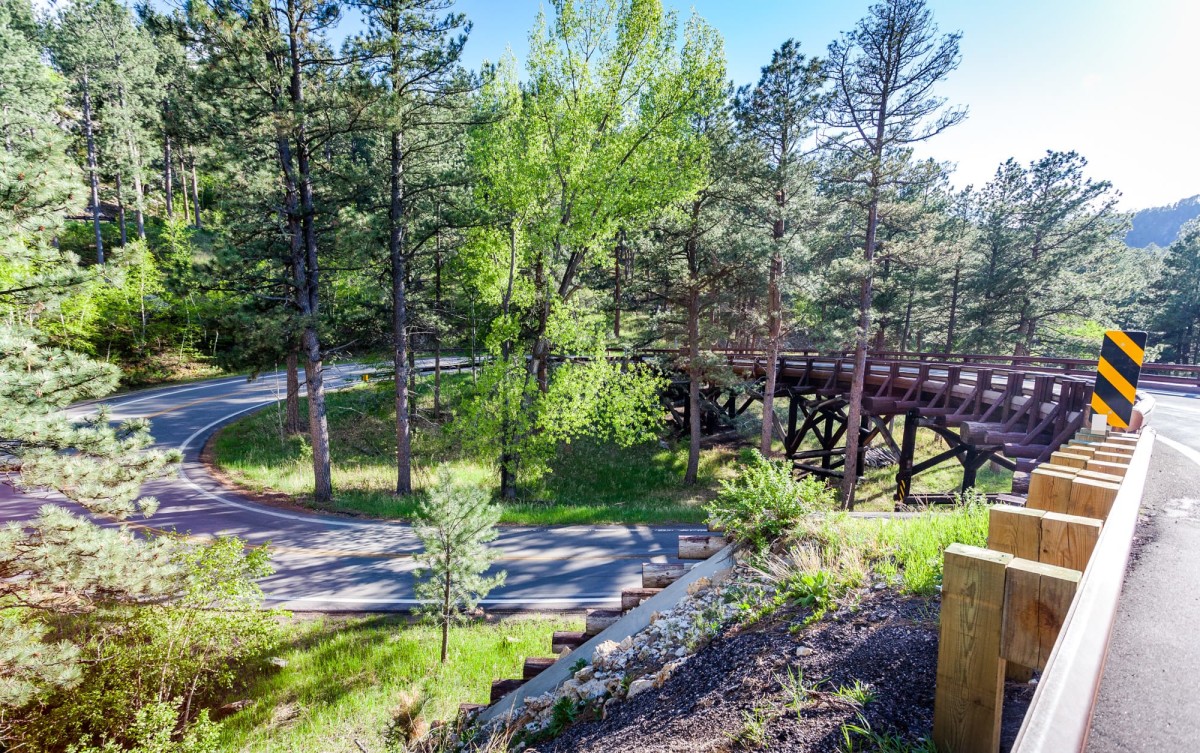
column 1161, row 226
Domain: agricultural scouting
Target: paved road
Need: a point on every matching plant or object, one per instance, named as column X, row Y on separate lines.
column 333, row 563
column 1150, row 695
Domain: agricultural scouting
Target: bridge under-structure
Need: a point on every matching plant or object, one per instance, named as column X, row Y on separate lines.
column 1010, row 411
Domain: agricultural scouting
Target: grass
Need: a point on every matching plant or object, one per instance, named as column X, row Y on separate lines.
column 345, row 678
column 844, row 551
column 591, row 482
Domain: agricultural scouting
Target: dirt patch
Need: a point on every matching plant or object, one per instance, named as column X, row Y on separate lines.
column 736, row 694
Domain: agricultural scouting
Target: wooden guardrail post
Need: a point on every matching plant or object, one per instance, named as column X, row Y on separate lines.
column 970, row 675
column 1037, row 597
column 1016, row 531
column 1068, row 540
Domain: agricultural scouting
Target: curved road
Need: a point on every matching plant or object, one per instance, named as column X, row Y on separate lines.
column 327, row 563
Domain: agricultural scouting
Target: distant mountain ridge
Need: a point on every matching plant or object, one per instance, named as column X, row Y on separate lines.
column 1160, row 225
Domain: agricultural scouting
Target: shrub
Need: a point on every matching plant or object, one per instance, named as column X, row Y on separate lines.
column 765, row 502
column 144, row 663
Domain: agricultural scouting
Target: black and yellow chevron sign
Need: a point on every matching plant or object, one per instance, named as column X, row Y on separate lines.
column 1117, row 375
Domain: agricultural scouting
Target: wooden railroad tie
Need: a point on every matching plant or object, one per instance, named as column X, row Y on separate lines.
column 468, row 710
column 631, row 598
column 700, row 547
column 661, row 574
column 501, row 688
column 598, row 620
column 535, row 665
column 566, row 639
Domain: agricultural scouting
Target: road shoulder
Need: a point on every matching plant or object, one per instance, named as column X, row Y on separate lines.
column 1148, row 698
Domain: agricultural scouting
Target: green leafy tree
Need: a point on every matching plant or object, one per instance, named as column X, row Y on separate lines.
column 455, row 524
column 592, row 142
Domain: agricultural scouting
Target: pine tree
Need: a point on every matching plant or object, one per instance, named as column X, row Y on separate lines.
column 412, row 51
column 778, row 116
column 59, row 562
column 455, row 524
column 1178, row 297
column 882, row 73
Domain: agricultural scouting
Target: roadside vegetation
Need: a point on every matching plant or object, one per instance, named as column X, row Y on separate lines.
column 590, row 481
column 344, row 679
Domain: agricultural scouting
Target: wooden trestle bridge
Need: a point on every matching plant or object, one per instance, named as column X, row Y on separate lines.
column 1012, row 411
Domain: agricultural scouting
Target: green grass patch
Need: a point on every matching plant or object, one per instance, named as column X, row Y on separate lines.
column 344, row 677
column 590, row 483
column 905, row 551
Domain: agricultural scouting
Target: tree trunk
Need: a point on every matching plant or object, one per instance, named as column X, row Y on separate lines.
column 446, row 590
column 318, row 426
column 774, row 334
column 854, row 409
column 693, row 464
column 121, row 210
column 508, row 457
column 952, row 320
column 437, row 331
column 187, row 204
column 196, row 185
column 168, row 188
column 93, row 170
column 907, row 330
column 135, row 161
column 399, row 316
column 292, row 425
column 617, row 291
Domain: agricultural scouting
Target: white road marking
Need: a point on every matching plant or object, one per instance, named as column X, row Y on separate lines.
column 1183, row 449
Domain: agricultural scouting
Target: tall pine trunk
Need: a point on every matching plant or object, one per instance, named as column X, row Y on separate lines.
column 399, row 316
column 168, row 187
column 693, row 464
column 121, row 209
column 952, row 319
column 292, row 425
column 854, row 411
column 187, row 204
column 774, row 331
column 196, row 187
column 307, row 263
column 89, row 130
column 135, row 162
column 437, row 332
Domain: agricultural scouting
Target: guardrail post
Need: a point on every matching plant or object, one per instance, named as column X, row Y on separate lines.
column 1037, row 597
column 1068, row 540
column 1016, row 531
column 969, row 696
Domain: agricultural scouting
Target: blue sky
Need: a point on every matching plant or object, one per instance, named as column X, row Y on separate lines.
column 1116, row 80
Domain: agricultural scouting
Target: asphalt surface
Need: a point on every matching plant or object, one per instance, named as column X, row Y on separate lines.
column 327, row 563
column 1149, row 697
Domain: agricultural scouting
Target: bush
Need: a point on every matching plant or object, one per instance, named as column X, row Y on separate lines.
column 153, row 731
column 765, row 502
column 146, row 662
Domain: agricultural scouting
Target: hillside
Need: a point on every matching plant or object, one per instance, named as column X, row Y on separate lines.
column 1160, row 225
